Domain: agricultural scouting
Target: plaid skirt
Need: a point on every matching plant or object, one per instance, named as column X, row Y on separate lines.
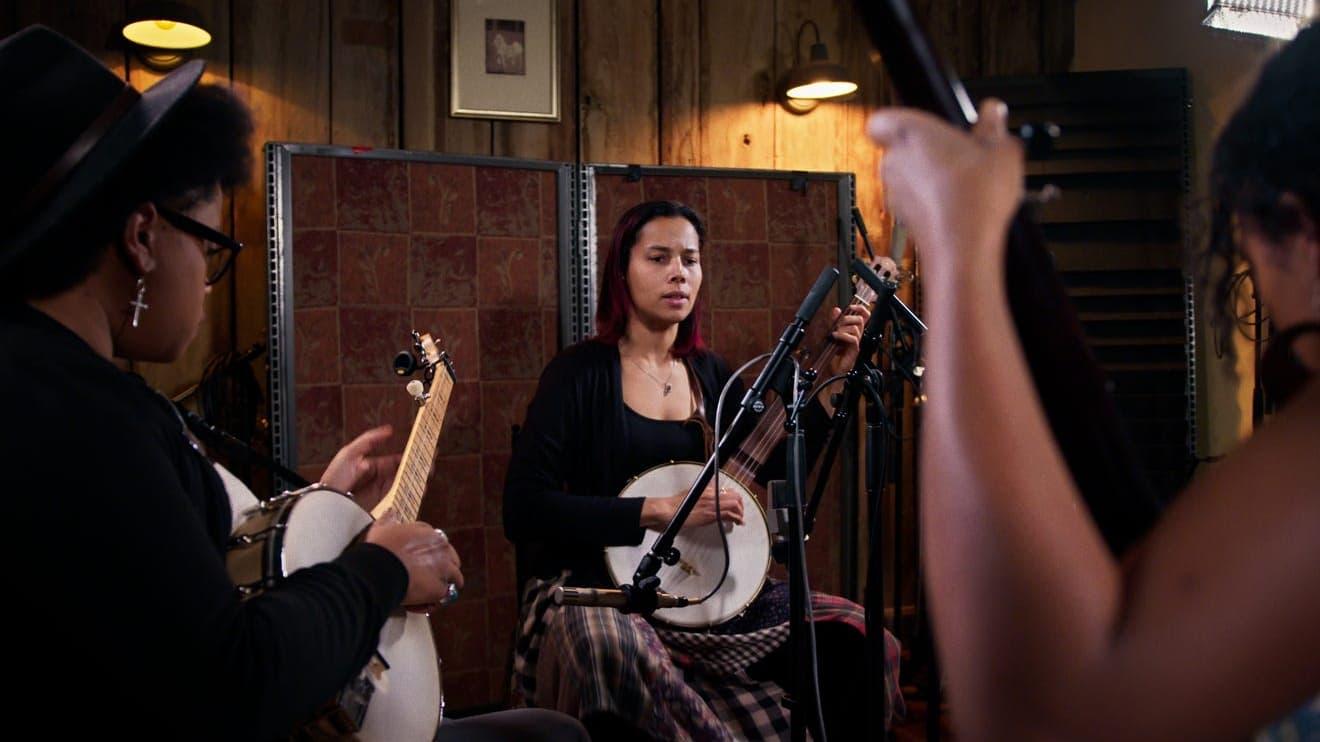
column 674, row 684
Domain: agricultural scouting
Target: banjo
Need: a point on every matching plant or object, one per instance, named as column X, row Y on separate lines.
column 701, row 566
column 397, row 696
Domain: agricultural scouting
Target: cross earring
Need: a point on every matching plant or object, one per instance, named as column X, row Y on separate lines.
column 137, row 303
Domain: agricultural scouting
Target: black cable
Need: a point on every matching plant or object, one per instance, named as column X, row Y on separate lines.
column 719, row 410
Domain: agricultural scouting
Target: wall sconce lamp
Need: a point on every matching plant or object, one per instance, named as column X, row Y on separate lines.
column 164, row 34
column 808, row 84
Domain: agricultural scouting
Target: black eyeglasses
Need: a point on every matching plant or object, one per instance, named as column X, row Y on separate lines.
column 219, row 250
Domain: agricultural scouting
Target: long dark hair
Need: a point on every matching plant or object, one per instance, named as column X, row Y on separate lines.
column 615, row 304
column 1271, row 146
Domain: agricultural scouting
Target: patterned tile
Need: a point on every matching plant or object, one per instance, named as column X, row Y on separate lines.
column 550, row 339
column 313, row 191
column 463, row 689
column 685, row 189
column 460, row 638
column 470, row 543
column 369, row 405
column 614, row 195
column 508, row 272
column 549, row 273
column 318, row 423
column 462, row 429
column 315, row 268
column 500, row 563
column 502, row 617
column 504, row 404
column 443, row 198
column 494, row 468
column 453, row 493
column 794, row 269
column 737, row 209
column 741, row 334
column 316, row 346
column 549, row 205
column 442, row 271
column 799, row 217
column 373, row 268
column 511, row 343
column 499, row 684
column 739, row 274
column 372, row 195
column 508, row 202
column 369, row 339
column 456, row 332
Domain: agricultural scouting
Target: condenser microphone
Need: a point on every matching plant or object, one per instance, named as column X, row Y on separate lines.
column 607, row 598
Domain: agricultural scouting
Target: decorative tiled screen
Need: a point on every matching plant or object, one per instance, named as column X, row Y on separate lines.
column 371, row 245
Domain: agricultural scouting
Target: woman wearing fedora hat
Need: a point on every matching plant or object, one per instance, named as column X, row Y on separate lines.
column 110, row 202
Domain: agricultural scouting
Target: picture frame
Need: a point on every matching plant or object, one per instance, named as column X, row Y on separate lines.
column 504, row 59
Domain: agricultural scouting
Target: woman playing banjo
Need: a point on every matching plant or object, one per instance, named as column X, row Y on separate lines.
column 640, row 394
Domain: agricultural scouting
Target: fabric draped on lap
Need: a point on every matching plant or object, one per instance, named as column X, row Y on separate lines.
column 675, row 684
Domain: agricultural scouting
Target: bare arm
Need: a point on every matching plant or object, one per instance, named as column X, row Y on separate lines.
column 1209, row 635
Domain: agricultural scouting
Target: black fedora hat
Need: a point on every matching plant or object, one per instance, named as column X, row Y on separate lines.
column 70, row 124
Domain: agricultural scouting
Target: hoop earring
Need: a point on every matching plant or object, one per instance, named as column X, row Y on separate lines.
column 137, row 304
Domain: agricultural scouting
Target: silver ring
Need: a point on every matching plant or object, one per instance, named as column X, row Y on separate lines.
column 451, row 595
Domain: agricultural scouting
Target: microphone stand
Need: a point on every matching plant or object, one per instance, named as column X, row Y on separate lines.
column 867, row 381
column 802, row 697
column 640, row 596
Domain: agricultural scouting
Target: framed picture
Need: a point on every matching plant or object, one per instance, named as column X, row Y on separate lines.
column 505, row 60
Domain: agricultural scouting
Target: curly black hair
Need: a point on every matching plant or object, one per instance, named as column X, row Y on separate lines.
column 1270, row 147
column 201, row 146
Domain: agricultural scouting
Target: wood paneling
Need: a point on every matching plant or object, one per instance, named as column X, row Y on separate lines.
column 1011, row 39
column 618, row 85
column 679, row 55
column 364, row 73
column 460, row 136
column 93, row 24
column 548, row 140
column 281, row 54
column 813, row 141
column 737, row 76
column 418, row 68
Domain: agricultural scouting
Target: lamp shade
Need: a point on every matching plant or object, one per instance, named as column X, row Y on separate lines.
column 818, row 79
column 164, row 25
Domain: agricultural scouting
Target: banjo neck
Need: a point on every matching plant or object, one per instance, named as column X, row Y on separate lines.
column 744, row 464
column 404, row 499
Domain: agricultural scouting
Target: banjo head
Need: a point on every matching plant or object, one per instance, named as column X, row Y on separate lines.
column 701, row 553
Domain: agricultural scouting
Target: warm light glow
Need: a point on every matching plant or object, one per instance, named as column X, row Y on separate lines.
column 822, row 90
column 163, row 34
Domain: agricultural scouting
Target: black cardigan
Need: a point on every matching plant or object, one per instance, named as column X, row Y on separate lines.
column 561, row 504
column 123, row 615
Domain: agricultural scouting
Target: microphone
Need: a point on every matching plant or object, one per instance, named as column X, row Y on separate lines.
column 790, row 339
column 610, row 598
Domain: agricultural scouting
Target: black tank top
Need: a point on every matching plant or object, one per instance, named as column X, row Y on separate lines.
column 652, row 442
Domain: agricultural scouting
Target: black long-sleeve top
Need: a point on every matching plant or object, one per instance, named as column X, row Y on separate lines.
column 570, row 462
column 121, row 612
